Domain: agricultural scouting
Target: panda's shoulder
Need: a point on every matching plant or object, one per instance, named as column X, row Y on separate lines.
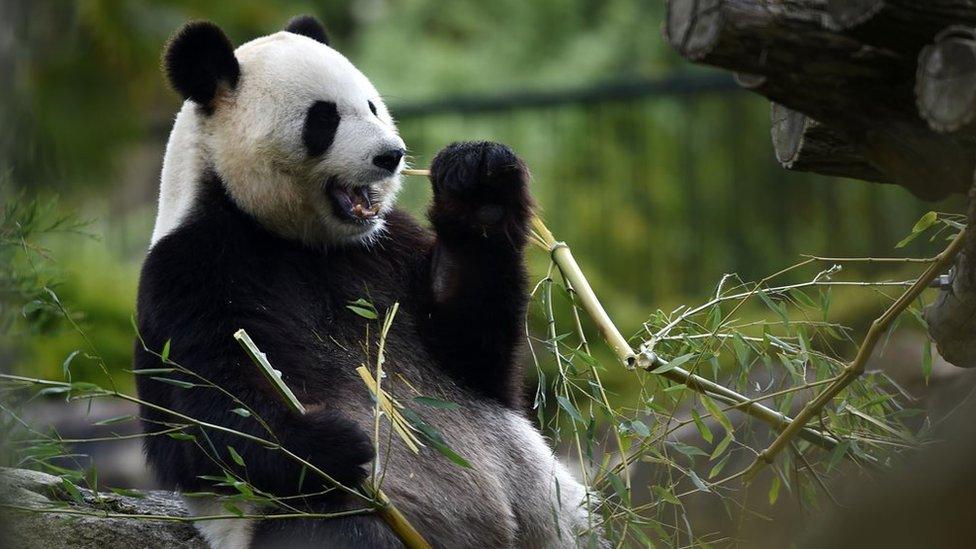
column 406, row 233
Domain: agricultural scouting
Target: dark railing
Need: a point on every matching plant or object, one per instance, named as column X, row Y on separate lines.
column 663, row 185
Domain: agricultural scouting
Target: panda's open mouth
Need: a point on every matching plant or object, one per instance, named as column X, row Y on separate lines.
column 352, row 203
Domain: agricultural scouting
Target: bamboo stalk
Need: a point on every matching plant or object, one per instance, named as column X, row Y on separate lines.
column 410, row 537
column 856, row 367
column 563, row 257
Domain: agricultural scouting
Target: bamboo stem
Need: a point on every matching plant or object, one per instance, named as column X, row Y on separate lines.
column 563, row 257
column 410, row 537
column 856, row 367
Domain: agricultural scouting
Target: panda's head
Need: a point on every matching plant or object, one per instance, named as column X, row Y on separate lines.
column 299, row 137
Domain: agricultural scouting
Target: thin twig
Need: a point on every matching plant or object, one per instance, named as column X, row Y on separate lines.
column 856, row 366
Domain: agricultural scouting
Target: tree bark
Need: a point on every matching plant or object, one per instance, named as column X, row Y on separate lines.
column 803, row 144
column 901, row 25
column 945, row 86
column 796, row 57
column 952, row 316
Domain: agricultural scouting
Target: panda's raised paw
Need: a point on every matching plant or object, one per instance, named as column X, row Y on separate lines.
column 481, row 187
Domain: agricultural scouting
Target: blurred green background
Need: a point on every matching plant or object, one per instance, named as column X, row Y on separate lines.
column 660, row 188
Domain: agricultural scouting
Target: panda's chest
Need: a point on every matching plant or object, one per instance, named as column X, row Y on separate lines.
column 332, row 308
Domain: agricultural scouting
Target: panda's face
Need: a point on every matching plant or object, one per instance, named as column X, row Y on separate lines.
column 300, row 138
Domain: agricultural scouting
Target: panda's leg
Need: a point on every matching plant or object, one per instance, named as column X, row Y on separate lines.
column 353, row 532
column 477, row 285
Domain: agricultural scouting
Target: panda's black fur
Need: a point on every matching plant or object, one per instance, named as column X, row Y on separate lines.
column 225, row 256
column 221, row 271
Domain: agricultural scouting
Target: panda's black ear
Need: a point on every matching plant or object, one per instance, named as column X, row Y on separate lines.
column 309, row 26
column 198, row 60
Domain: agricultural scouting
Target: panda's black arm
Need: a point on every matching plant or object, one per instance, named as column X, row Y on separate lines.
column 477, row 285
column 324, row 437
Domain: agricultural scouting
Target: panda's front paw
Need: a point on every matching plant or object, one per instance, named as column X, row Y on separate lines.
column 480, row 189
column 334, row 444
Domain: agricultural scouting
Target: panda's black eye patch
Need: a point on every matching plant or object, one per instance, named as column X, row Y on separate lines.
column 321, row 124
column 372, row 108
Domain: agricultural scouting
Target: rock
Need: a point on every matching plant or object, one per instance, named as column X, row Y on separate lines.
column 51, row 529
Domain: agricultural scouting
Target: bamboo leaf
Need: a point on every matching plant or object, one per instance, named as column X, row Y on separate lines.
column 774, row 490
column 241, row 412
column 117, row 419
column 73, row 491
column 165, row 354
column 703, row 429
column 177, row 382
column 567, row 405
column 698, row 482
column 436, row 403
column 927, row 360
column 672, row 364
column 363, row 308
column 721, row 446
column 128, row 492
column 235, row 456
column 717, row 413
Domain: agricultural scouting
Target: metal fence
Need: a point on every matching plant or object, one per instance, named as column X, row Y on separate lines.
column 661, row 186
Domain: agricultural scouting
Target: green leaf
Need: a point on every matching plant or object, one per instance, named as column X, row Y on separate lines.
column 363, row 308
column 703, row 429
column 235, row 510
column 178, row 382
column 640, row 428
column 117, row 419
column 152, row 371
column 181, row 436
column 619, row 487
column 435, row 403
column 673, row 363
column 774, row 490
column 198, row 494
column 721, row 446
column 687, row 449
column 165, row 354
column 243, row 488
column 73, row 491
column 241, row 412
column 698, row 482
column 927, row 360
column 128, row 492
column 718, row 467
column 925, row 222
column 66, row 365
column 235, row 456
column 714, row 318
column 450, row 454
column 565, row 404
column 716, row 413
column 54, row 390
column 675, row 388
column 434, row 438
column 742, row 350
column 921, row 225
column 301, row 477
column 802, row 298
column 776, row 308
column 666, row 495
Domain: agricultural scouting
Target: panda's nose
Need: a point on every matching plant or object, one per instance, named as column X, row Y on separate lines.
column 389, row 160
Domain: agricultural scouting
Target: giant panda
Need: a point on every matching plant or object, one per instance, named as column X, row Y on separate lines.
column 276, row 211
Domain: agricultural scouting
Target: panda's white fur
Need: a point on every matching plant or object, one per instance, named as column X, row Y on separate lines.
column 253, row 141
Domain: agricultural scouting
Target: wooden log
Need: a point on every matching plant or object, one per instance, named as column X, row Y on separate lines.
column 866, row 93
column 945, row 85
column 803, row 144
column 903, row 25
column 952, row 316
